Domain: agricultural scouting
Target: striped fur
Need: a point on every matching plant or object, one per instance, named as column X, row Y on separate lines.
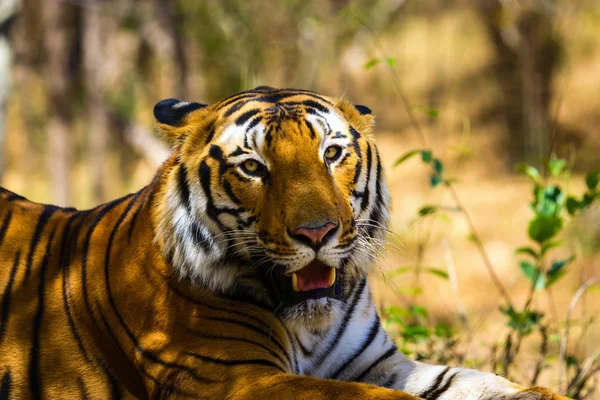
column 178, row 290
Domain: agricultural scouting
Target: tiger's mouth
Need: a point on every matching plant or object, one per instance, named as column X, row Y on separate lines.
column 316, row 280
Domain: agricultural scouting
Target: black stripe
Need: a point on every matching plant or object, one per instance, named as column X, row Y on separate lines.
column 305, row 352
column 435, row 384
column 12, row 196
column 146, row 191
column 239, row 152
column 233, row 98
column 317, row 105
column 6, row 385
column 344, row 325
column 86, row 246
column 373, row 331
column 37, row 234
column 255, row 361
column 358, row 168
column 229, row 191
column 183, row 187
column 211, row 132
column 6, row 295
column 211, row 210
column 115, row 387
column 69, row 242
column 248, row 326
column 311, row 129
column 139, row 348
column 4, row 227
column 253, row 123
column 390, row 381
column 35, row 375
column 366, row 193
column 242, row 119
column 383, row 357
column 82, row 389
column 437, row 393
column 200, row 238
column 243, row 340
column 294, row 356
column 376, row 216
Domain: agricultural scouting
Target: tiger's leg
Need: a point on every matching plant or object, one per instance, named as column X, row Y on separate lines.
column 272, row 385
column 360, row 350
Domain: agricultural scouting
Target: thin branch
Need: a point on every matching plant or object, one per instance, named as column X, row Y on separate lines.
column 453, row 277
column 423, row 138
column 486, row 259
column 563, row 341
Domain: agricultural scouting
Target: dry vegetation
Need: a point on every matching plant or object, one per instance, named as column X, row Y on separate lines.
column 125, row 56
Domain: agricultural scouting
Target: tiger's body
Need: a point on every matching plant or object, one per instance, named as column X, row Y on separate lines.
column 239, row 272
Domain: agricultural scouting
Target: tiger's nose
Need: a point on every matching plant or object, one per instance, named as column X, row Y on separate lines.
column 315, row 235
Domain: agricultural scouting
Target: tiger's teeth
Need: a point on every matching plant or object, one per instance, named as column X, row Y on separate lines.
column 295, row 282
column 331, row 277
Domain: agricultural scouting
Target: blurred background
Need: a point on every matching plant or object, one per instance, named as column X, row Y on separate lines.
column 484, row 84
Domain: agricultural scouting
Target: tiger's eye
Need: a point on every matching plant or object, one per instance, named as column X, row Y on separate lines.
column 250, row 165
column 332, row 152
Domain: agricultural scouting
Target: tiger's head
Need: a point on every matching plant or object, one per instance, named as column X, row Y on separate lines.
column 273, row 194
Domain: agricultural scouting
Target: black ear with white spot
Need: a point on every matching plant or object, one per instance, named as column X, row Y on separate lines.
column 173, row 112
column 363, row 110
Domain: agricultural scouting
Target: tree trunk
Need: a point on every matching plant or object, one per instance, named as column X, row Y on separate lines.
column 8, row 10
column 60, row 33
column 97, row 113
column 172, row 25
column 527, row 55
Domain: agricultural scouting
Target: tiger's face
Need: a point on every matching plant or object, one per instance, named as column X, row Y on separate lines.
column 275, row 194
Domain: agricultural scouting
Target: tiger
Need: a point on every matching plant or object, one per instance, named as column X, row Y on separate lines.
column 238, row 272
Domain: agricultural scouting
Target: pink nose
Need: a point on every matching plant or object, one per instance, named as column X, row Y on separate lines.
column 316, row 235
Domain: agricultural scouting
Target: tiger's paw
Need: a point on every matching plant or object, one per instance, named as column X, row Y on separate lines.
column 537, row 393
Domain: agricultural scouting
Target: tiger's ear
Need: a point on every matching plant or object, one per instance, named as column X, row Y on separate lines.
column 177, row 119
column 359, row 116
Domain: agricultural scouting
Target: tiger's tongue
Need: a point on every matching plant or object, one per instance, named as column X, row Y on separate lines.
column 315, row 275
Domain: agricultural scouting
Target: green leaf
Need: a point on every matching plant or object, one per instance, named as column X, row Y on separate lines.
column 573, row 205
column 472, row 238
column 550, row 245
column 530, row 171
column 406, row 156
column 543, row 228
column 438, row 272
column 371, row 63
column 592, row 179
column 524, row 321
column 426, row 156
column 587, row 199
column 556, row 166
column 435, row 180
column 399, row 271
column 555, row 277
column 418, row 311
column 427, row 210
column 533, row 274
column 549, row 200
column 444, row 217
column 527, row 250
column 438, row 166
column 391, row 62
column 410, row 291
column 398, row 311
column 415, row 333
column 432, row 112
column 443, row 330
column 557, row 270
